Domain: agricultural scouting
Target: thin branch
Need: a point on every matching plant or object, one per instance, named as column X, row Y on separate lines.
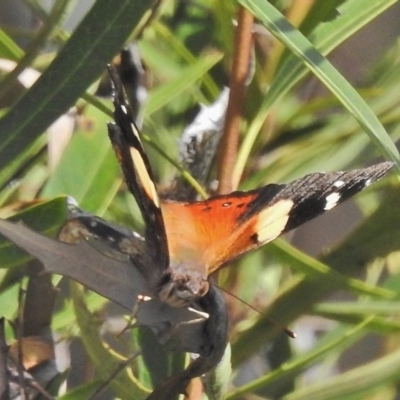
column 230, row 139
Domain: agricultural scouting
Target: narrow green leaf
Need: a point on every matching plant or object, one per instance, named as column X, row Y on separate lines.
column 362, row 308
column 164, row 94
column 100, row 35
column 364, row 381
column 315, row 269
column 38, row 43
column 106, row 361
column 319, row 13
column 46, row 218
column 8, row 48
column 84, row 391
column 217, row 381
column 293, row 367
column 354, row 15
column 88, row 170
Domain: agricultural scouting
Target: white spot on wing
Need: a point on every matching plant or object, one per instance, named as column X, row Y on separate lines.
column 368, row 182
column 331, row 201
column 123, row 108
column 272, row 221
column 135, row 132
column 71, row 201
column 338, row 184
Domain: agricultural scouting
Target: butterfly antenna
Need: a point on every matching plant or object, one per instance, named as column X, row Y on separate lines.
column 288, row 332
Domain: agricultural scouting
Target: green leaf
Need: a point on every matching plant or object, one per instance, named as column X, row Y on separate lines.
column 217, row 381
column 362, row 382
column 340, row 338
column 320, row 13
column 353, row 313
column 164, row 94
column 326, row 37
column 46, row 217
column 82, row 392
column 96, row 40
column 8, row 48
column 88, row 170
column 315, row 269
column 105, row 361
column 157, row 362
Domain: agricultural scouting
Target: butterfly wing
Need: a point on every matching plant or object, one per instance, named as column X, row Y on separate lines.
column 124, row 136
column 215, row 231
column 317, row 193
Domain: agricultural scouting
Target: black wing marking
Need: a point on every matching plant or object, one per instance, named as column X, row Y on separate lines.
column 310, row 196
column 124, row 136
column 325, row 191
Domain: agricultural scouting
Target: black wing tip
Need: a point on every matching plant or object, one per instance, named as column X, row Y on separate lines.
column 114, row 76
column 117, row 87
column 382, row 166
column 377, row 171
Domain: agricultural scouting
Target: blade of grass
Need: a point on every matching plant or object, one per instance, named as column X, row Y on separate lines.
column 52, row 21
column 105, row 359
column 164, row 94
column 315, row 269
column 180, row 49
column 294, row 367
column 92, row 184
column 355, row 14
column 8, row 48
column 100, row 35
column 362, row 380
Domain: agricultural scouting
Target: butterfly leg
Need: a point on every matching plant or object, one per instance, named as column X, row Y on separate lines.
column 132, row 318
column 202, row 316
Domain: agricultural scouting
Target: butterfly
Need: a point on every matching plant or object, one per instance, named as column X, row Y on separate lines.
column 189, row 241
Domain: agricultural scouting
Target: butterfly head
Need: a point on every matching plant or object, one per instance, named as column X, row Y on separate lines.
column 180, row 289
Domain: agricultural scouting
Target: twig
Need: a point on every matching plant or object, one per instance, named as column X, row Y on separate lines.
column 20, row 335
column 240, row 67
column 117, row 370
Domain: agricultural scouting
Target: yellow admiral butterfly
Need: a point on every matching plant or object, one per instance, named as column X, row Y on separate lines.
column 191, row 240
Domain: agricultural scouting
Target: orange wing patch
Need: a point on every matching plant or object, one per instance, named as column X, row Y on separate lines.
column 208, row 234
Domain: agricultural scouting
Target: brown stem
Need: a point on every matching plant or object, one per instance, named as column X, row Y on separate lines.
column 230, row 139
column 194, row 390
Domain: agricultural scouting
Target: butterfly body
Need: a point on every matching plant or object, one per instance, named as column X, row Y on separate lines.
column 191, row 240
column 201, row 237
